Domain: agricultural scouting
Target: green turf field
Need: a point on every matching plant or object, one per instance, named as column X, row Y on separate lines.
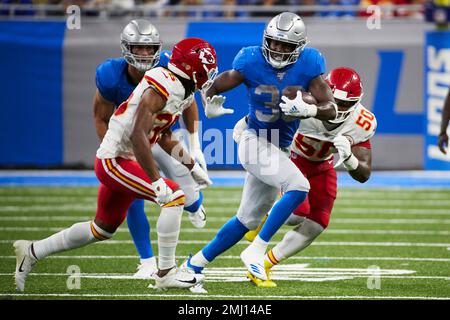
column 397, row 240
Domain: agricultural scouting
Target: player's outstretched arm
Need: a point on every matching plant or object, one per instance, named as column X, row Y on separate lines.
column 103, row 110
column 213, row 101
column 443, row 137
column 150, row 103
column 326, row 106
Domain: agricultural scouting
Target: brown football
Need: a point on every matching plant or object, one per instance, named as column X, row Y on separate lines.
column 291, row 93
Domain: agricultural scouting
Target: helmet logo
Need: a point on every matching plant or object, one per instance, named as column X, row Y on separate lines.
column 206, row 57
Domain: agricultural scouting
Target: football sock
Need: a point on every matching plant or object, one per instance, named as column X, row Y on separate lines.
column 168, row 227
column 199, row 260
column 196, row 205
column 140, row 229
column 230, row 233
column 281, row 210
column 78, row 235
column 296, row 240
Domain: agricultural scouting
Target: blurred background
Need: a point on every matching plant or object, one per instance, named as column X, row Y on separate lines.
column 48, row 61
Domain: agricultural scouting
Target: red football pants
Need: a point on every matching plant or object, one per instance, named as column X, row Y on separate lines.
column 121, row 181
column 323, row 181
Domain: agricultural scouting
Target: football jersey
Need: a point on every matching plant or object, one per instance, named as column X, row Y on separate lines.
column 266, row 85
column 116, row 142
column 112, row 80
column 314, row 142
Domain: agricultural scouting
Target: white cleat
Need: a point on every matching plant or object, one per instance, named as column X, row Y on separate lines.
column 146, row 269
column 24, row 262
column 254, row 263
column 198, row 219
column 177, row 279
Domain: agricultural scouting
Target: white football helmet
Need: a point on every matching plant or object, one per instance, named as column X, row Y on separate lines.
column 140, row 33
column 289, row 28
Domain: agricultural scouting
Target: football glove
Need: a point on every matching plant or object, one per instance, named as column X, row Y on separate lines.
column 200, row 176
column 297, row 107
column 344, row 148
column 162, row 191
column 214, row 107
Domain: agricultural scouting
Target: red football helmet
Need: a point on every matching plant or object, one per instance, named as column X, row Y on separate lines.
column 194, row 59
column 347, row 91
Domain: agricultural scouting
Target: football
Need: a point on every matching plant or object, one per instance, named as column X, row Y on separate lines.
column 291, row 93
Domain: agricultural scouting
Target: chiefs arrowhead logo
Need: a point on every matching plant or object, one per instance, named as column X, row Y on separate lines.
column 206, row 56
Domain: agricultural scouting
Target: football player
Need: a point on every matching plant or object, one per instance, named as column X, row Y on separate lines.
column 126, row 168
column 312, row 152
column 115, row 80
column 280, row 64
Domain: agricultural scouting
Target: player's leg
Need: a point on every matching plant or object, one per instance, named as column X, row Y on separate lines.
column 250, row 213
column 177, row 172
column 140, row 232
column 111, row 211
column 273, row 167
column 321, row 200
column 130, row 175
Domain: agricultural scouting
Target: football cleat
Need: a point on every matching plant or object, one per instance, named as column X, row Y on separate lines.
column 24, row 262
column 146, row 269
column 177, row 279
column 198, row 218
column 254, row 263
column 269, row 283
column 251, row 235
column 186, row 265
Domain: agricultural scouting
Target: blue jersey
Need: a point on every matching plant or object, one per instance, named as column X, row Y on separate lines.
column 266, row 85
column 112, row 80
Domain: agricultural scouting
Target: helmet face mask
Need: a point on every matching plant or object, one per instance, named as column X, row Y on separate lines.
column 140, row 33
column 345, row 109
column 288, row 30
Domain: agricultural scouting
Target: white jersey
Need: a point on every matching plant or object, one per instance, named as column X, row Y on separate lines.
column 313, row 141
column 116, row 142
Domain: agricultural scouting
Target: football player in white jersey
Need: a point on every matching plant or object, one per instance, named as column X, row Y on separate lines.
column 115, row 80
column 126, row 168
column 312, row 152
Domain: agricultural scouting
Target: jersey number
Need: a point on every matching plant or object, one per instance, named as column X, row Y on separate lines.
column 165, row 120
column 311, row 151
column 273, row 111
column 365, row 119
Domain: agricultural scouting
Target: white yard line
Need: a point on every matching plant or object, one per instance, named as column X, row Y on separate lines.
column 328, row 259
column 317, row 243
column 209, row 296
column 215, row 230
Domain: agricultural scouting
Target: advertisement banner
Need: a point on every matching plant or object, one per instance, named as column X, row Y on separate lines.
column 437, row 84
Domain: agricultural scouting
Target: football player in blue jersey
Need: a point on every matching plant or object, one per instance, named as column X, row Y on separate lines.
column 116, row 80
column 282, row 64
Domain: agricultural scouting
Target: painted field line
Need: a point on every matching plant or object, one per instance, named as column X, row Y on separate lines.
column 318, row 243
column 221, row 296
column 213, row 231
column 134, row 257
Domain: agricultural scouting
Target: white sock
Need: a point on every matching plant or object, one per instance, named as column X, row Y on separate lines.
column 168, row 228
column 78, row 235
column 199, row 260
column 259, row 245
column 297, row 239
column 151, row 260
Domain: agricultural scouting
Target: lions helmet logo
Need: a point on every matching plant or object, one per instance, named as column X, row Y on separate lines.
column 206, row 56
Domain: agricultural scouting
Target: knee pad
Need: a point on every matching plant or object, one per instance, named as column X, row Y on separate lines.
column 294, row 220
column 309, row 229
column 100, row 234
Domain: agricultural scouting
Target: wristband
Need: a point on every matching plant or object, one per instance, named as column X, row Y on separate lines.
column 194, row 142
column 351, row 163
